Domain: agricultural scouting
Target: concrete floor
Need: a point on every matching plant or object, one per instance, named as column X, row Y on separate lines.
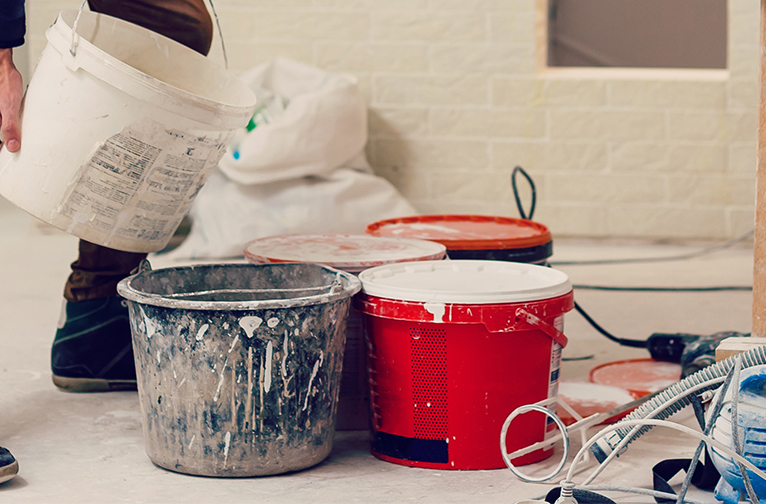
column 88, row 448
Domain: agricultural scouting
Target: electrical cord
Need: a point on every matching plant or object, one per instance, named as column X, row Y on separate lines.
column 662, row 423
column 665, row 289
column 715, row 410
column 607, row 334
column 519, row 206
column 623, row 341
column 703, row 386
column 680, row 257
column 657, row 410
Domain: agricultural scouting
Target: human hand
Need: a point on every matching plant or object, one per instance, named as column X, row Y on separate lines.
column 11, row 91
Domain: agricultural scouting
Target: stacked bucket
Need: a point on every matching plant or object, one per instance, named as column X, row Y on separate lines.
column 445, row 349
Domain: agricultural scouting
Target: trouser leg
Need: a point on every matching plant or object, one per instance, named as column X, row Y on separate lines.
column 98, row 269
column 185, row 21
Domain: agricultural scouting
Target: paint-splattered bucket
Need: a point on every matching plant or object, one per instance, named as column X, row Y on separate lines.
column 352, row 253
column 475, row 236
column 455, row 347
column 120, row 128
column 238, row 365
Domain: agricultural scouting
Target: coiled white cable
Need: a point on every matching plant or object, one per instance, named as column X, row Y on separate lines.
column 663, row 423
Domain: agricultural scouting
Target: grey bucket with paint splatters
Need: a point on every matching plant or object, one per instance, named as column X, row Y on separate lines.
column 238, row 365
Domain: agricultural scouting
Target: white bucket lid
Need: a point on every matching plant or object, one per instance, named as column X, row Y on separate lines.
column 348, row 252
column 465, row 282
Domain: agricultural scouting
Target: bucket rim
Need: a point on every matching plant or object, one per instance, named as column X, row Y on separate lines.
column 59, row 36
column 350, row 252
column 456, row 282
column 506, row 234
column 350, row 285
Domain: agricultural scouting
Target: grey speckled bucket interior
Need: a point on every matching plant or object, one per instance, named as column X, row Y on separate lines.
column 238, row 365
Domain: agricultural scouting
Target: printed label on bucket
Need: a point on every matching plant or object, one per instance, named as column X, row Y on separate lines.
column 140, row 182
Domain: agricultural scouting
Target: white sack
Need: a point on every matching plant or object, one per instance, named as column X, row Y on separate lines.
column 323, row 126
column 226, row 215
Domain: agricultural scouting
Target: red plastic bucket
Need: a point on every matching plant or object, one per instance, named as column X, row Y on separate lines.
column 352, row 253
column 475, row 236
column 453, row 348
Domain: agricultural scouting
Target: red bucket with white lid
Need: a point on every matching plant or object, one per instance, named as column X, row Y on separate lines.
column 453, row 348
column 483, row 237
column 352, row 253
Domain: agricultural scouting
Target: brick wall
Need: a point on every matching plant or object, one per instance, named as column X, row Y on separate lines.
column 458, row 97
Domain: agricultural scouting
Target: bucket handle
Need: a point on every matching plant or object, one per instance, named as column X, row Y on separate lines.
column 76, row 39
column 542, row 325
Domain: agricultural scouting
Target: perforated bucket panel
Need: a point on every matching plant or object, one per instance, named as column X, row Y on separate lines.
column 429, row 387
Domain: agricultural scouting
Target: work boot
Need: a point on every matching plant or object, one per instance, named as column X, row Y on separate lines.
column 93, row 350
column 9, row 466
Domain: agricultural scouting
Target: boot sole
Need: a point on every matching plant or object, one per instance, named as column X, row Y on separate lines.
column 92, row 384
column 9, row 471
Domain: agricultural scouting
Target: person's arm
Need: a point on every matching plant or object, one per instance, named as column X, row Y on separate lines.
column 12, row 30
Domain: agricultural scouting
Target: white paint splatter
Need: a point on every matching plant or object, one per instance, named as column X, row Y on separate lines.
column 435, row 309
column 234, row 343
column 311, row 380
column 192, row 441
column 158, row 356
column 220, row 380
column 151, row 327
column 267, row 378
column 272, row 322
column 202, row 331
column 284, row 356
column 250, row 324
column 226, row 448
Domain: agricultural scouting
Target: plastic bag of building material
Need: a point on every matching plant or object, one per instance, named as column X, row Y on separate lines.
column 307, row 122
column 227, row 214
column 299, row 167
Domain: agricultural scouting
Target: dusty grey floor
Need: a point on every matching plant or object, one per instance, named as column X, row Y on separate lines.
column 76, row 448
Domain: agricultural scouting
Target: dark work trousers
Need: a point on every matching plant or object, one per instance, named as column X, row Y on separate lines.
column 98, row 269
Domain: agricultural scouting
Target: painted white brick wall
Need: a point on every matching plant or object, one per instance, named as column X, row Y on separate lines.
column 458, row 97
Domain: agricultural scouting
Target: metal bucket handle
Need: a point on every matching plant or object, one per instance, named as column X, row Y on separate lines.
column 75, row 38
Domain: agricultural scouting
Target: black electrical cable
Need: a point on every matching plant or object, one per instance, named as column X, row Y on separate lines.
column 666, row 289
column 609, row 336
column 579, row 309
column 679, row 257
column 519, row 206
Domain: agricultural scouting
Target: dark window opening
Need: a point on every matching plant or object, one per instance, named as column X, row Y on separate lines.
column 637, row 33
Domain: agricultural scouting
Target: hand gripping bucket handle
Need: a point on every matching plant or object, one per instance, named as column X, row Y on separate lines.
column 75, row 38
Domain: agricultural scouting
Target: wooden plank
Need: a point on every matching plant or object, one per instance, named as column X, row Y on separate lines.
column 759, row 249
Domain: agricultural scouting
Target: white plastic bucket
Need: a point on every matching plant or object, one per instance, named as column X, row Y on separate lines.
column 118, row 138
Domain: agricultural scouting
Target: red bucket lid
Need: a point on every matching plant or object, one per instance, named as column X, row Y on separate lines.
column 348, row 252
column 638, row 376
column 466, row 232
